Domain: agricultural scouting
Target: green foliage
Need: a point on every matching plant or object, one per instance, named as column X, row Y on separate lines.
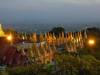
column 23, row 70
column 86, row 64
column 89, row 51
column 19, row 71
column 66, row 64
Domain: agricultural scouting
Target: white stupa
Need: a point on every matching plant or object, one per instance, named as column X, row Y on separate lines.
column 2, row 34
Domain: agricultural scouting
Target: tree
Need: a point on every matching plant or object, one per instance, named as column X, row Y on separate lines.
column 57, row 31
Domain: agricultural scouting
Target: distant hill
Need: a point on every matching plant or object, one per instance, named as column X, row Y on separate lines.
column 47, row 27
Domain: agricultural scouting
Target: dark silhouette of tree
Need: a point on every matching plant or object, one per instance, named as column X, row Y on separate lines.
column 57, row 31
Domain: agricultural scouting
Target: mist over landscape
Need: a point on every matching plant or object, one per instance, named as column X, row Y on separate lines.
column 42, row 28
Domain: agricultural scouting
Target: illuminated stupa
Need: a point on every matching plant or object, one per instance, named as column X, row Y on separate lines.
column 2, row 34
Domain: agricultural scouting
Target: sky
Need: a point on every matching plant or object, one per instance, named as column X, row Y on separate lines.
column 49, row 11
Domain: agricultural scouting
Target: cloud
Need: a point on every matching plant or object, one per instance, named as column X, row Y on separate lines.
column 84, row 1
column 44, row 4
column 50, row 1
column 50, row 10
column 72, row 1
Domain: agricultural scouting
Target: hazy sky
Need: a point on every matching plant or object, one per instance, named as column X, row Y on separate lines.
column 49, row 11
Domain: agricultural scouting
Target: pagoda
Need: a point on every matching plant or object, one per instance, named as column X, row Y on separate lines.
column 2, row 34
column 3, row 42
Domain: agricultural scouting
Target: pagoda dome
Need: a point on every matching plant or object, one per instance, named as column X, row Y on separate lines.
column 2, row 34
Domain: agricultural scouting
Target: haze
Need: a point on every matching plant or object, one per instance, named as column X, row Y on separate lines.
column 49, row 11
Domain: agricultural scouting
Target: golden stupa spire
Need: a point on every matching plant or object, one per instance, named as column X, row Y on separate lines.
column 2, row 34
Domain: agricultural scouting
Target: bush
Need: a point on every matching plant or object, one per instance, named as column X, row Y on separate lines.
column 65, row 65
column 23, row 70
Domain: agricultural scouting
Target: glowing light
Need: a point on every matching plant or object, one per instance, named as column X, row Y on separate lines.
column 23, row 38
column 91, row 42
column 9, row 38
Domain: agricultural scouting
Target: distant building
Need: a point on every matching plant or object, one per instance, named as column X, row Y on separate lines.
column 26, row 45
